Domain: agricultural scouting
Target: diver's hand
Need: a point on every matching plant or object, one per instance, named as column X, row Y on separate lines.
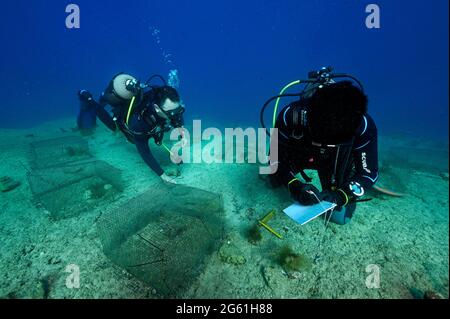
column 168, row 179
column 338, row 197
column 305, row 194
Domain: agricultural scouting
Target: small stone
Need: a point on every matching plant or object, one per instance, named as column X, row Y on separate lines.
column 107, row 187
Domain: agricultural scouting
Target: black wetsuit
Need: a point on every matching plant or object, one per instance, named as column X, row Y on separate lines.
column 143, row 125
column 338, row 166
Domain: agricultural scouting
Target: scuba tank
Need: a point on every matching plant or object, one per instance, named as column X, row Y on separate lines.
column 124, row 92
column 316, row 80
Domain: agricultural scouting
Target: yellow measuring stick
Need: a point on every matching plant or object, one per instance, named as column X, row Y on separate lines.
column 263, row 222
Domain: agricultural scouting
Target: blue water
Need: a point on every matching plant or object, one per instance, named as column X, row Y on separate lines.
column 232, row 55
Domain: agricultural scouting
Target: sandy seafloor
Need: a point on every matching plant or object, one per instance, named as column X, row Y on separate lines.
column 406, row 237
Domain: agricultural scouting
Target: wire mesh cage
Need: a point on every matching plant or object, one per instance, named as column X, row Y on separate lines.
column 165, row 236
column 69, row 190
column 58, row 151
column 67, row 180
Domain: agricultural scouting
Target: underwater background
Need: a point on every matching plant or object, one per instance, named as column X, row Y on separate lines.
column 231, row 57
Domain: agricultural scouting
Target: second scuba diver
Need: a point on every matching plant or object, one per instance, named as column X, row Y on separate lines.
column 328, row 130
column 141, row 112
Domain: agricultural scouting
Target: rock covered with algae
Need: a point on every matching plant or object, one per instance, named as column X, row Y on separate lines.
column 231, row 254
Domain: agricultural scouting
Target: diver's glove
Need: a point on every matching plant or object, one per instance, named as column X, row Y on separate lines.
column 339, row 197
column 305, row 194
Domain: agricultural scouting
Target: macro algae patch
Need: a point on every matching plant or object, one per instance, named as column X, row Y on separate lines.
column 165, row 236
column 72, row 189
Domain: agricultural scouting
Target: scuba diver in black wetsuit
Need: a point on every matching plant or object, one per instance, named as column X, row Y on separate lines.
column 141, row 112
column 328, row 130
